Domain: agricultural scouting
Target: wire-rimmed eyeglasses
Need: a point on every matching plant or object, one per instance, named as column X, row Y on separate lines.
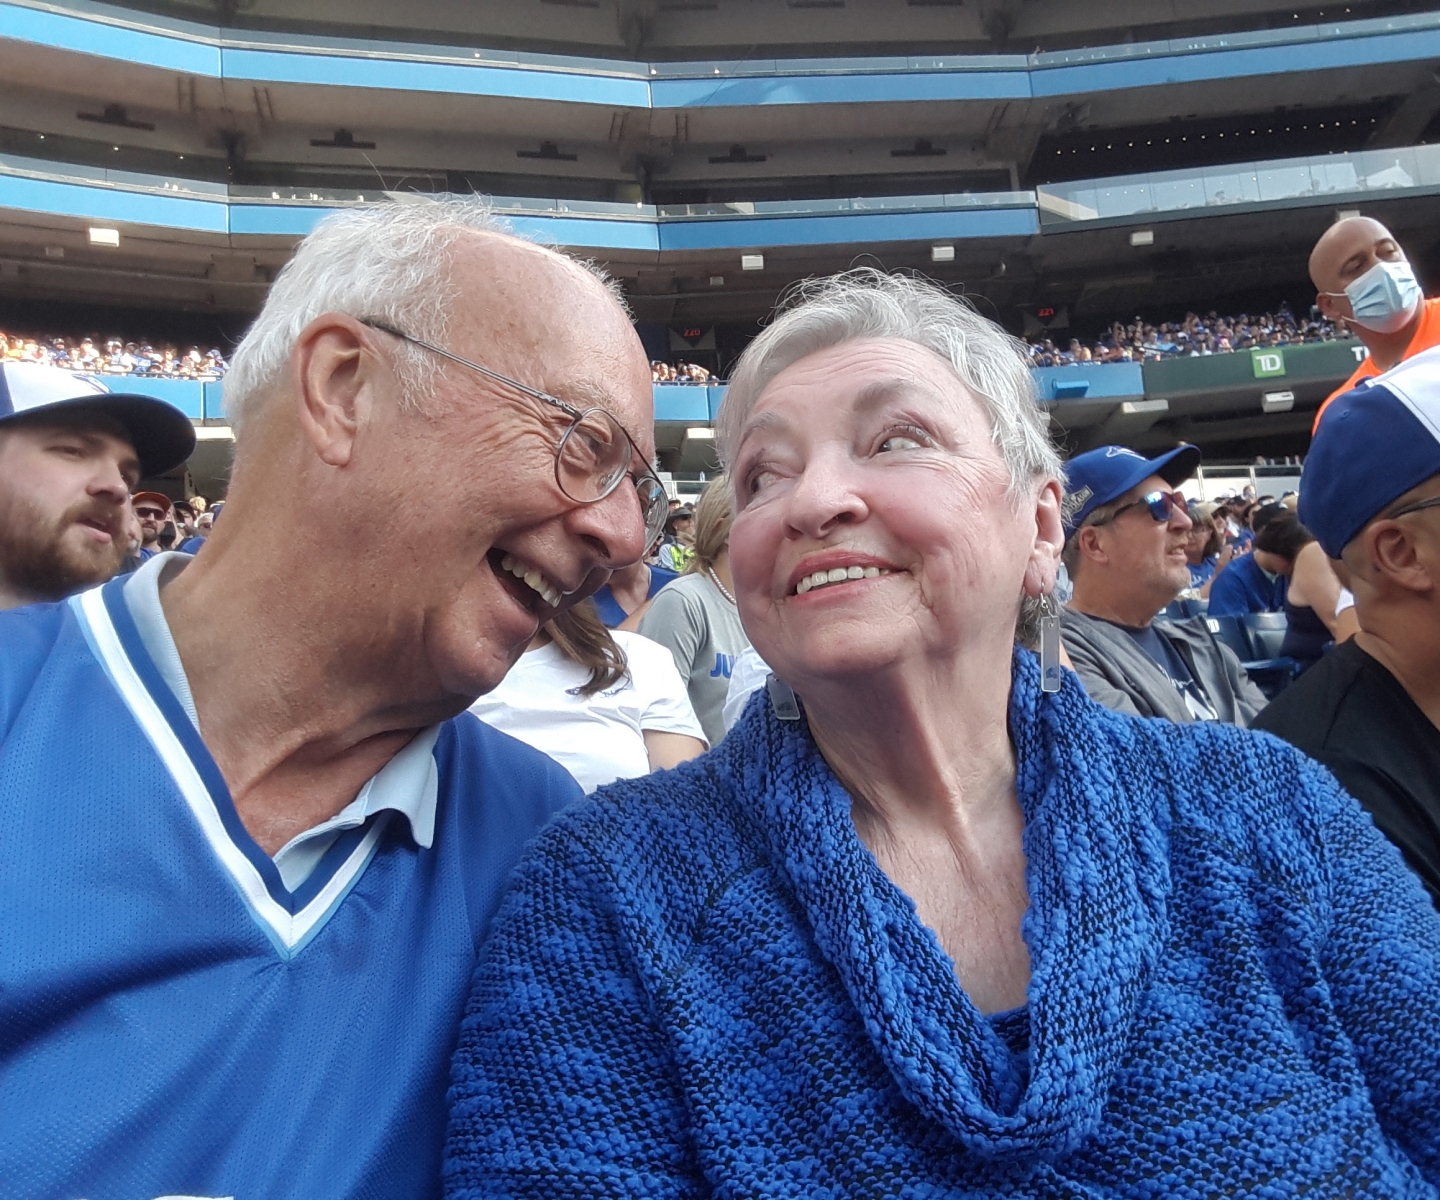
column 594, row 455
column 1161, row 504
column 1418, row 506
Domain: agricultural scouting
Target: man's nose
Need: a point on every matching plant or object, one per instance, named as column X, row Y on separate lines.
column 613, row 528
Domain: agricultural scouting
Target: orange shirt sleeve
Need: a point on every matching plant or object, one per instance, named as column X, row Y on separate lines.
column 1427, row 334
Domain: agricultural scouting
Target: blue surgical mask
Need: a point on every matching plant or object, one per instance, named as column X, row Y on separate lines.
column 1385, row 298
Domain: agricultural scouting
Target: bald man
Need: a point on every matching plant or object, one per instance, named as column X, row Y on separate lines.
column 1362, row 276
column 253, row 841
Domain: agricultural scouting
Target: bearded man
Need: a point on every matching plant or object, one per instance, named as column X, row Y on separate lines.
column 70, row 454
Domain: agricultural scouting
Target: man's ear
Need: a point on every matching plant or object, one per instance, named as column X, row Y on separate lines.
column 334, row 368
column 1091, row 545
column 1328, row 307
column 1044, row 562
column 1395, row 556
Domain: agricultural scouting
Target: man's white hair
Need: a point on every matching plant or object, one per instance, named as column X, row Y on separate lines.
column 389, row 261
column 866, row 303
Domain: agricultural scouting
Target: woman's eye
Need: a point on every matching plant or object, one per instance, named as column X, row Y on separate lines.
column 900, row 441
column 758, row 479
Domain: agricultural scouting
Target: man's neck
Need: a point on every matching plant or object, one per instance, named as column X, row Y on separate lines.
column 13, row 597
column 1388, row 349
column 296, row 718
column 1135, row 612
column 631, row 587
column 1415, row 665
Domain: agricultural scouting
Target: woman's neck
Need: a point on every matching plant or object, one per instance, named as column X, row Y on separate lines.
column 721, row 568
column 919, row 749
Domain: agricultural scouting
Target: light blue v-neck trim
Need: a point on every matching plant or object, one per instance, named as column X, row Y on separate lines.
column 408, row 784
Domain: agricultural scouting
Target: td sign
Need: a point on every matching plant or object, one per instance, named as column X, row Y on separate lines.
column 1267, row 363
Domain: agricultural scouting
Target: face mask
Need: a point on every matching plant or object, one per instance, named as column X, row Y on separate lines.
column 1385, row 298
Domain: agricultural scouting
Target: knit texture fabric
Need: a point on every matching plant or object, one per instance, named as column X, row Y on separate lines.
column 702, row 984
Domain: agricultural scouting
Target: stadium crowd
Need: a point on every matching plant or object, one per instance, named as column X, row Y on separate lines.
column 1140, row 340
column 884, row 888
column 663, row 372
column 114, row 356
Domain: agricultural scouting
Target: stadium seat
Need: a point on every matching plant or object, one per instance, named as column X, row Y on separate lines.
column 1267, row 632
column 1255, row 638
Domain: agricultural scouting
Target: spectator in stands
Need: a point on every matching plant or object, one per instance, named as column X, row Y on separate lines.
column 152, row 510
column 677, row 547
column 629, row 590
column 1363, row 277
column 1286, row 547
column 695, row 617
column 929, row 930
column 69, row 454
column 309, row 848
column 204, row 524
column 604, row 705
column 184, row 513
column 1254, row 582
column 1127, row 532
column 1206, row 550
column 1370, row 709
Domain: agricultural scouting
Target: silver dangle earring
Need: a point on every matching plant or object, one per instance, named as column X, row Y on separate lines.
column 782, row 699
column 1049, row 643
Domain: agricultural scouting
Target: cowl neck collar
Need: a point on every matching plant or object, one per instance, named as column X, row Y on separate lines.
column 1098, row 877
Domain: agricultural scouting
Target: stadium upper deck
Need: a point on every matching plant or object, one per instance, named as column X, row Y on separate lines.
column 1023, row 151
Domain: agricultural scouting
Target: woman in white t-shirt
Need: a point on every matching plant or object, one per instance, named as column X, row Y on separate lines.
column 604, row 704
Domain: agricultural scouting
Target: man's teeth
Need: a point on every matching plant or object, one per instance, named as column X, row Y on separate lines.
column 533, row 578
column 837, row 575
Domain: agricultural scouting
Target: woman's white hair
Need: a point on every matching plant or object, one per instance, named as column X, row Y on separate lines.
column 865, row 303
column 389, row 261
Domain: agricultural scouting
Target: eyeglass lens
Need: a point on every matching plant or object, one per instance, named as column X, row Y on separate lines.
column 594, row 457
column 1162, row 504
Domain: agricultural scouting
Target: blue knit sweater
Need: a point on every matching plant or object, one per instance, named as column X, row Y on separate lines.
column 703, row 985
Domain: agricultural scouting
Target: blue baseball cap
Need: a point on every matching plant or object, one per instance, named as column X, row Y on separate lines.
column 1099, row 476
column 1374, row 443
column 162, row 435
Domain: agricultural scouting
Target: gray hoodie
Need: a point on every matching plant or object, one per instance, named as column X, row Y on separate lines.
column 1120, row 675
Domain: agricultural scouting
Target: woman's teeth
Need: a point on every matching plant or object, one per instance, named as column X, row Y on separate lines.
column 532, row 578
column 837, row 575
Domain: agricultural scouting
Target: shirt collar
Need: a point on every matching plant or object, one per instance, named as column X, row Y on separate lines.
column 409, row 783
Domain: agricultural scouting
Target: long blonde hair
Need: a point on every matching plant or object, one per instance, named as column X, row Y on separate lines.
column 714, row 515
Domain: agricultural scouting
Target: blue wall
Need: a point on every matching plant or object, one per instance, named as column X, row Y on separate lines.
column 198, row 49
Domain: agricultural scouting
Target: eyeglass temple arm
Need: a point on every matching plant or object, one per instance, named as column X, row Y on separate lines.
column 535, row 393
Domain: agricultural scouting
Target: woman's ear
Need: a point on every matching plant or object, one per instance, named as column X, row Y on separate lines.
column 1044, row 561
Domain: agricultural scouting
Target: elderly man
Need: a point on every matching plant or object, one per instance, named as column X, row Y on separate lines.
column 70, row 451
column 1126, row 532
column 1362, row 276
column 250, row 856
column 1370, row 709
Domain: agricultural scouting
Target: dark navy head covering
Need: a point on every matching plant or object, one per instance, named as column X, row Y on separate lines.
column 1099, row 476
column 162, row 435
column 1374, row 443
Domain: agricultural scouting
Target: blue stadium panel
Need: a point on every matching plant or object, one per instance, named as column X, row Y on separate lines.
column 753, row 91
column 111, row 40
column 194, row 49
column 1321, row 54
column 850, row 229
column 112, row 204
column 188, row 395
column 266, row 66
column 682, row 402
column 1100, row 381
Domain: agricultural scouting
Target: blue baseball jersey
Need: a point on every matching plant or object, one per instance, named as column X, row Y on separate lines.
column 174, row 1021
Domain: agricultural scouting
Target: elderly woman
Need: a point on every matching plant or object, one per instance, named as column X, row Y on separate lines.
column 929, row 930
